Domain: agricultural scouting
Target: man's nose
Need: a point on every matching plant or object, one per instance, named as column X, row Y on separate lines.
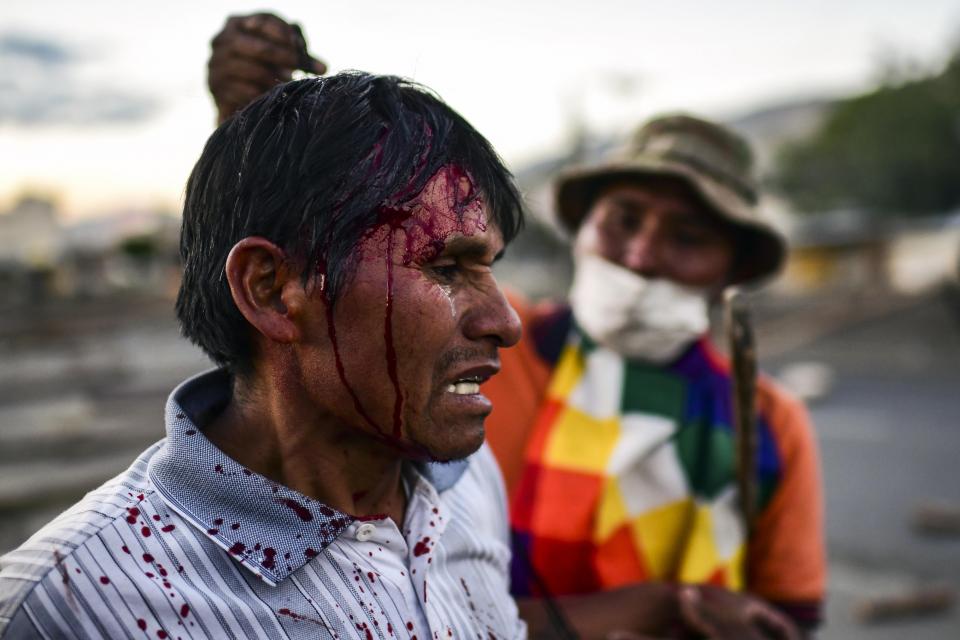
column 494, row 319
column 641, row 254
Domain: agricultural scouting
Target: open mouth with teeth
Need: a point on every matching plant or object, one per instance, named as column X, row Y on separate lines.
column 465, row 386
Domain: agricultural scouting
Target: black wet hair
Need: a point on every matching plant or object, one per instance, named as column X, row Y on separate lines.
column 307, row 166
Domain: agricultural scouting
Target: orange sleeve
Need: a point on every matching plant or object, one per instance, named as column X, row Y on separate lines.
column 516, row 393
column 787, row 559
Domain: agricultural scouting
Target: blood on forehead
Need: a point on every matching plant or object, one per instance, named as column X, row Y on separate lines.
column 418, row 230
column 415, row 231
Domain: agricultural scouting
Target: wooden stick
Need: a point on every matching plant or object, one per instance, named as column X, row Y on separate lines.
column 743, row 357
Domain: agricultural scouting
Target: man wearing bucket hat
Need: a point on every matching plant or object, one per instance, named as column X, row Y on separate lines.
column 612, row 419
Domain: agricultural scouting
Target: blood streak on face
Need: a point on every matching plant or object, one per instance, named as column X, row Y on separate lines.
column 341, row 371
column 388, row 341
column 425, row 270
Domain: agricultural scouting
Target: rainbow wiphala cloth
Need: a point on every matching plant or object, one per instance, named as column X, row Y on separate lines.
column 629, row 475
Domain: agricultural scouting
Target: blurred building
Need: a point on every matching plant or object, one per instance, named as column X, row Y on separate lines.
column 30, row 233
column 32, row 243
column 124, row 251
column 132, row 250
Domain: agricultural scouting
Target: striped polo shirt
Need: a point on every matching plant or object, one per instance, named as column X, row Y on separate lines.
column 187, row 543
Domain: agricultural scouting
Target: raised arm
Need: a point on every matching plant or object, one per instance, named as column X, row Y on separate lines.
column 252, row 54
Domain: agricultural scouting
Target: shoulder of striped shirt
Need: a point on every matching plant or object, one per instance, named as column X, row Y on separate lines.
column 43, row 554
column 22, row 569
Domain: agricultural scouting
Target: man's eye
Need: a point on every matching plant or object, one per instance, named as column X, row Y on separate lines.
column 446, row 272
column 621, row 220
column 691, row 238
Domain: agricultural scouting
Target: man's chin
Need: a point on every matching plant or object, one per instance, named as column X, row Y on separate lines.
column 450, row 449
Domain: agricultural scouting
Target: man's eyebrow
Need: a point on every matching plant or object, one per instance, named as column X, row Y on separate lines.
column 470, row 247
column 627, row 203
column 682, row 217
column 692, row 219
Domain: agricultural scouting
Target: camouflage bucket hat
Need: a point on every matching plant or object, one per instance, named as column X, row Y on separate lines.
column 713, row 160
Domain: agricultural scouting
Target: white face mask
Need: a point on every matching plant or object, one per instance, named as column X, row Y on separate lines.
column 653, row 320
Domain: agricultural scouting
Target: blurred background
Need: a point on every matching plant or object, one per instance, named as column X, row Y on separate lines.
column 854, row 112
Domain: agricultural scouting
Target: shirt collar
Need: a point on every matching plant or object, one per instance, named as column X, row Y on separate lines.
column 269, row 528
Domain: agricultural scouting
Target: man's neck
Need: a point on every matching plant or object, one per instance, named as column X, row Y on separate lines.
column 279, row 437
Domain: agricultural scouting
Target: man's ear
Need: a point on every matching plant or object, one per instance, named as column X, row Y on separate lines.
column 267, row 288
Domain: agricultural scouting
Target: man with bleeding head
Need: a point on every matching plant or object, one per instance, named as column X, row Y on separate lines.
column 329, row 478
column 612, row 419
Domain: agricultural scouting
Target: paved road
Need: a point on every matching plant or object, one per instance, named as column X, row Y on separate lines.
column 82, row 391
column 890, row 438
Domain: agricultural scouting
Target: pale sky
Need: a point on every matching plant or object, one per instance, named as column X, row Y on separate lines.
column 103, row 103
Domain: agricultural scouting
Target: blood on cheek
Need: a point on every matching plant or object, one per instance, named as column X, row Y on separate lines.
column 405, row 236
